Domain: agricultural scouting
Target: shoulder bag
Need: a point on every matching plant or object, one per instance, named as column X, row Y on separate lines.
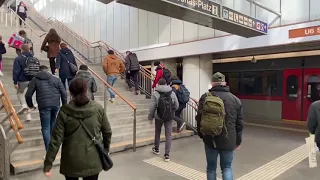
column 104, row 155
column 73, row 68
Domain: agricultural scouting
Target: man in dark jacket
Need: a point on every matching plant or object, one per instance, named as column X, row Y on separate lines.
column 20, row 80
column 85, row 74
column 132, row 70
column 175, row 84
column 314, row 121
column 65, row 56
column 227, row 142
column 49, row 90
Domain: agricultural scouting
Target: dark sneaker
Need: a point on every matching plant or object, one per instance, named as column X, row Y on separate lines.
column 180, row 126
column 137, row 92
column 166, row 158
column 155, row 151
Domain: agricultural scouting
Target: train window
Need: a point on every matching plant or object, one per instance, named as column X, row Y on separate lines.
column 292, row 87
column 260, row 83
column 313, row 88
column 233, row 81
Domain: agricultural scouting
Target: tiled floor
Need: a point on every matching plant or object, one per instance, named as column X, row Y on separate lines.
column 260, row 146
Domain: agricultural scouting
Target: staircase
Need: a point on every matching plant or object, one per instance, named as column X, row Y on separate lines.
column 127, row 115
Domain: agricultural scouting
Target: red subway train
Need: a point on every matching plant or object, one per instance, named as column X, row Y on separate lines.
column 274, row 89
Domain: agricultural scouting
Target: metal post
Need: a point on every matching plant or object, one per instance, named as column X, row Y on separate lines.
column 134, row 130
column 4, row 155
column 105, row 98
column 100, row 54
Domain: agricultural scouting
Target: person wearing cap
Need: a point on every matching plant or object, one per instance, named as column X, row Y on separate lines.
column 226, row 143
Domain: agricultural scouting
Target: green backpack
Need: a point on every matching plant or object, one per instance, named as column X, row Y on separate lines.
column 213, row 116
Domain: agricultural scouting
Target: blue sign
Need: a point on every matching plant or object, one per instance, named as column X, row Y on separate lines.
column 247, row 21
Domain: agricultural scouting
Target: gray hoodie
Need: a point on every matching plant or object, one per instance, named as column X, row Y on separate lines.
column 155, row 99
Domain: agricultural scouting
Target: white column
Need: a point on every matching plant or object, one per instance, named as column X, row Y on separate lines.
column 197, row 72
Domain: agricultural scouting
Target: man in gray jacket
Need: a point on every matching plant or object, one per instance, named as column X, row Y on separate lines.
column 160, row 98
column 85, row 74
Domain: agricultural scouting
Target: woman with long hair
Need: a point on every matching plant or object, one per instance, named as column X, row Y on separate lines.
column 53, row 40
column 79, row 156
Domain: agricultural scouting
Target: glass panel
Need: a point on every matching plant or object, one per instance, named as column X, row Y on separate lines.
column 313, row 90
column 233, row 81
column 292, row 87
column 261, row 83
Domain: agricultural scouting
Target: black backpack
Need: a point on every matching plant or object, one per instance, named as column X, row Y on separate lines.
column 31, row 67
column 166, row 74
column 183, row 94
column 164, row 107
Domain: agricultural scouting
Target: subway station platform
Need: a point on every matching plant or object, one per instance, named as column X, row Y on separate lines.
column 269, row 151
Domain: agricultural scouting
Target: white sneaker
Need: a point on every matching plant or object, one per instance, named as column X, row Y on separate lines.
column 1, row 74
column 23, row 109
column 28, row 117
column 111, row 100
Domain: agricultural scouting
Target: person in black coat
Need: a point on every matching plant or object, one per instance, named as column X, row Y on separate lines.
column 229, row 139
column 132, row 71
column 65, row 56
column 2, row 51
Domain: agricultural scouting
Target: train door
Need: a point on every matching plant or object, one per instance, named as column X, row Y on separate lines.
column 311, row 89
column 292, row 95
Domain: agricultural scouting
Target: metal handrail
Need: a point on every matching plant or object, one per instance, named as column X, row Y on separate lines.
column 15, row 122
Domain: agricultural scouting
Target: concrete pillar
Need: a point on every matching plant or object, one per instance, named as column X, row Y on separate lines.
column 197, row 72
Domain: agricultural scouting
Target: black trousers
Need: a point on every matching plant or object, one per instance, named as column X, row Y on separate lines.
column 134, row 75
column 52, row 64
column 95, row 177
column 23, row 16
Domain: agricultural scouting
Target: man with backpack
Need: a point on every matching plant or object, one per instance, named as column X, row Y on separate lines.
column 161, row 72
column 163, row 105
column 132, row 71
column 183, row 96
column 220, row 125
column 25, row 67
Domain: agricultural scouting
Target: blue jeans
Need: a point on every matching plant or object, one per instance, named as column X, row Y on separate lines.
column 48, row 119
column 226, row 158
column 63, row 80
column 111, row 79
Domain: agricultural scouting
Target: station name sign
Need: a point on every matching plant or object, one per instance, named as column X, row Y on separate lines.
column 244, row 20
column 204, row 6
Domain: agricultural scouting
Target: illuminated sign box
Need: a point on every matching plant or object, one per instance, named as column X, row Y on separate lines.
column 205, row 13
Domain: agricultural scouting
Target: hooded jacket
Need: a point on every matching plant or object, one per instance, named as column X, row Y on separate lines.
column 49, row 91
column 132, row 62
column 233, row 120
column 79, row 155
column 159, row 73
column 175, row 84
column 62, row 63
column 112, row 65
column 92, row 86
column 155, row 99
column 18, row 66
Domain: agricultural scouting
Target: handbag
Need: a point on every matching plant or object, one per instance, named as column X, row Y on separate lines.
column 46, row 49
column 73, row 68
column 104, row 155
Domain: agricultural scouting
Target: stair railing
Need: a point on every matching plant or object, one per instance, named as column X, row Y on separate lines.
column 10, row 122
column 106, row 85
column 146, row 77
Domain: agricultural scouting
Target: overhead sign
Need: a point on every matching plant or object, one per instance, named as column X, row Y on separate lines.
column 244, row 20
column 304, row 32
column 204, row 6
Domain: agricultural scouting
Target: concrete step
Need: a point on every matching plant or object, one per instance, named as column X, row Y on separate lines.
column 23, row 166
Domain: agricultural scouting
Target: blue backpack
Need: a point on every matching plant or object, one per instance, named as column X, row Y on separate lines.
column 183, row 94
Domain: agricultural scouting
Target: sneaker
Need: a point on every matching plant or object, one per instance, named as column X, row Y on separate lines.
column 137, row 92
column 111, row 100
column 28, row 117
column 166, row 158
column 1, row 74
column 23, row 109
column 129, row 89
column 181, row 126
column 155, row 151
